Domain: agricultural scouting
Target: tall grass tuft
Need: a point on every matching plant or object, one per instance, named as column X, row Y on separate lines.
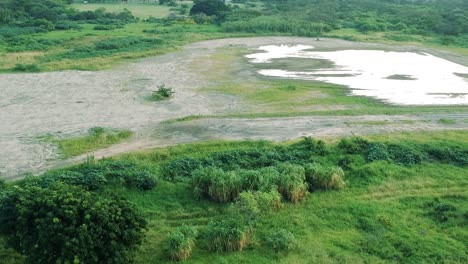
column 180, row 243
column 321, row 177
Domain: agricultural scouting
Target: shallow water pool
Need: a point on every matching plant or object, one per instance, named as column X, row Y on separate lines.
column 405, row 78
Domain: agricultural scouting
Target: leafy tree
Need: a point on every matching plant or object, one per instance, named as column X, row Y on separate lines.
column 210, row 8
column 66, row 224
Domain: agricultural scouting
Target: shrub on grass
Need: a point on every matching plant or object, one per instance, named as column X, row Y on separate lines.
column 351, row 162
column 448, row 154
column 405, row 155
column 162, row 93
column 225, row 187
column 227, row 235
column 324, row 177
column 353, row 145
column 377, row 151
column 140, row 179
column 20, row 67
column 66, row 224
column 90, row 181
column 257, row 202
column 179, row 169
column 181, row 242
column 281, row 240
column 291, row 182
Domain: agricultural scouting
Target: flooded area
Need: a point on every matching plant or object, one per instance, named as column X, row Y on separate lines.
column 404, row 78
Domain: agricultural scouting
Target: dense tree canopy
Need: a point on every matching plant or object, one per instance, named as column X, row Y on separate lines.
column 65, row 224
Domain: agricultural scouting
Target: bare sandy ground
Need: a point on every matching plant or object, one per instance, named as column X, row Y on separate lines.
column 69, row 103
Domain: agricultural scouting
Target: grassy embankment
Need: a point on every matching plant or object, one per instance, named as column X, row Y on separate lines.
column 410, row 207
column 96, row 138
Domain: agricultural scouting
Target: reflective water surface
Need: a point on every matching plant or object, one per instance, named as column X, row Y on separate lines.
column 404, row 78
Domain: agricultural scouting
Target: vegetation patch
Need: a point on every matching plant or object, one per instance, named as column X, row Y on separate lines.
column 162, row 93
column 96, row 138
column 248, row 193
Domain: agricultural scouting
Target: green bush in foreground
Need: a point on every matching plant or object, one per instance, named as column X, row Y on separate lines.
column 66, row 224
column 180, row 243
column 281, row 240
column 162, row 93
column 230, row 234
column 324, row 177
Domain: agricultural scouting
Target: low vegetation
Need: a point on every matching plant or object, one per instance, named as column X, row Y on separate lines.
column 162, row 93
column 379, row 199
column 96, row 138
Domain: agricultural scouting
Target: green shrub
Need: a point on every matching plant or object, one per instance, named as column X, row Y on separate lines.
column 291, row 182
column 353, row 145
column 226, row 235
column 281, row 240
column 162, row 93
column 405, row 155
column 179, row 169
column 454, row 155
column 180, row 243
column 257, row 202
column 26, row 67
column 66, row 224
column 321, row 177
column 140, row 179
column 225, row 187
column 377, row 151
column 90, row 181
column 351, row 162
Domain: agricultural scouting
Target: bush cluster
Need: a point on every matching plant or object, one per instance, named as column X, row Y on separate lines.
column 222, row 186
column 180, row 243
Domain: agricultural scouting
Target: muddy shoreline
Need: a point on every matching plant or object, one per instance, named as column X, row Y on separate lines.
column 68, row 103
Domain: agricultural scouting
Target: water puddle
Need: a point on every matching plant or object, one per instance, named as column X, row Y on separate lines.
column 405, row 78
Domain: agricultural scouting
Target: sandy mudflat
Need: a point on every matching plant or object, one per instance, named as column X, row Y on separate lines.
column 69, row 103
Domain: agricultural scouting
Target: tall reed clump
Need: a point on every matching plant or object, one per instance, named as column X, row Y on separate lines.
column 180, row 243
column 221, row 186
column 230, row 234
column 324, row 177
column 291, row 182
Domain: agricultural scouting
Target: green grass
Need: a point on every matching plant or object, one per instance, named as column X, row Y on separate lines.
column 446, row 121
column 139, row 10
column 387, row 213
column 96, row 138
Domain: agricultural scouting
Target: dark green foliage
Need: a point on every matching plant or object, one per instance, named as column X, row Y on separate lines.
column 324, row 177
column 281, row 240
column 377, row 151
column 267, row 24
column 354, row 145
column 241, row 159
column 179, row 169
column 162, row 93
column 65, row 224
column 123, row 43
column 90, row 181
column 26, row 68
column 405, row 155
column 180, row 243
column 209, row 7
column 350, row 162
column 454, row 155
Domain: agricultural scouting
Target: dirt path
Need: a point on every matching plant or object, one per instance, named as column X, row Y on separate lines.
column 69, row 103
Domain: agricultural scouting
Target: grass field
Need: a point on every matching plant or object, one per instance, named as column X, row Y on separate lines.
column 142, row 11
column 388, row 213
column 96, row 138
